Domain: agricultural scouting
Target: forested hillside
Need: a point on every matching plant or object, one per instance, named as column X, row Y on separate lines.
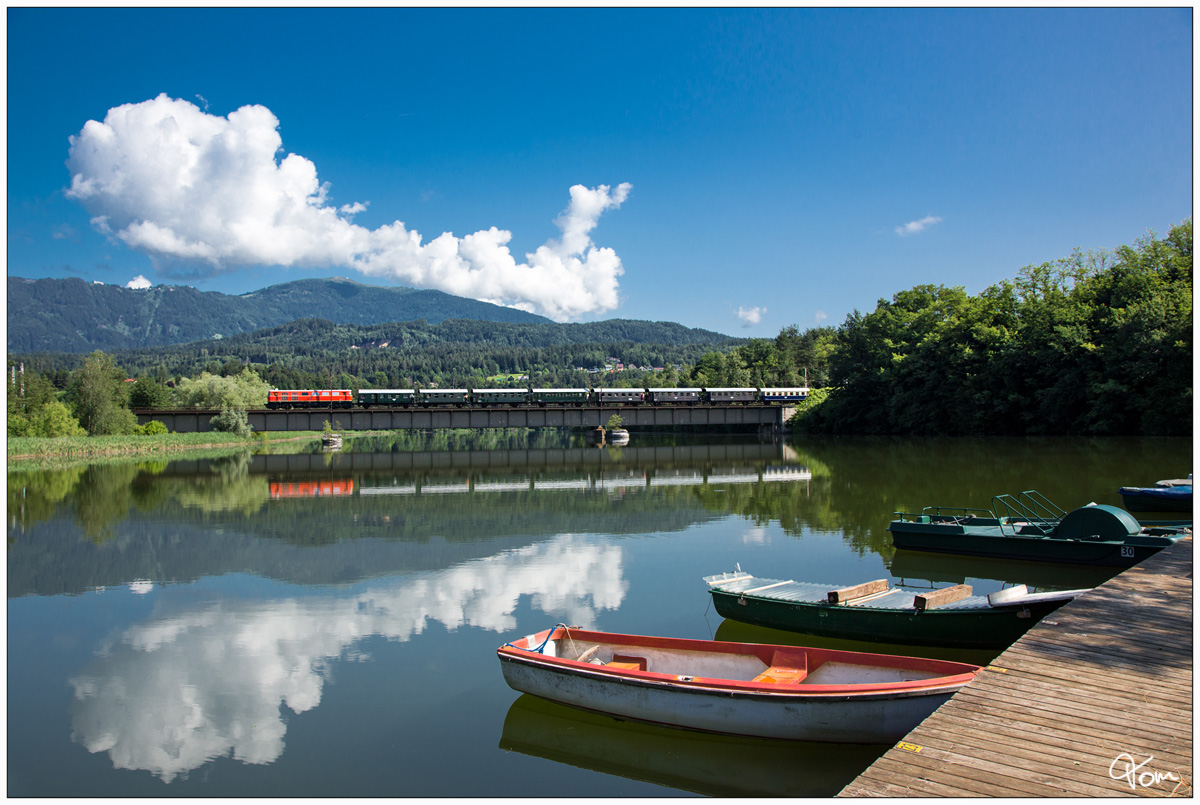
column 313, row 352
column 70, row 315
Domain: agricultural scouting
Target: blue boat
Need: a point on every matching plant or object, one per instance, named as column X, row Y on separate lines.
column 1165, row 496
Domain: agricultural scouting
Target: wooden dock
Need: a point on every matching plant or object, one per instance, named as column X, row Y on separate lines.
column 1094, row 701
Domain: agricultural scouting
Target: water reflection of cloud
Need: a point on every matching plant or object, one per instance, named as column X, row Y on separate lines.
column 755, row 536
column 170, row 694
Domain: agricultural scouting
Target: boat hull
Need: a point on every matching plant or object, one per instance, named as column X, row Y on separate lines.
column 1157, row 499
column 985, row 628
column 784, row 711
column 857, row 721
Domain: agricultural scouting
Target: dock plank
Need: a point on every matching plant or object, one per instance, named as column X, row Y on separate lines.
column 1039, row 663
column 1104, row 682
column 1083, row 693
column 1017, row 741
column 1058, row 731
column 1026, row 766
column 1058, row 711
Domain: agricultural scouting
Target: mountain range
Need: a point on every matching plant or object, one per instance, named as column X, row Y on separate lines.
column 70, row 315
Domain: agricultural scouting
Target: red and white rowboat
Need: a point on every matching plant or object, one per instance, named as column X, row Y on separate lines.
column 765, row 691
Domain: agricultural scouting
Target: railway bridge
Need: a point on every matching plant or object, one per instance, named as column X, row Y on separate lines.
column 749, row 417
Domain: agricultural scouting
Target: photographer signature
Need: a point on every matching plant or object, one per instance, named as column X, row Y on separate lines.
column 1130, row 770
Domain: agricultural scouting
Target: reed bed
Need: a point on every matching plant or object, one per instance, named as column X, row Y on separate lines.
column 24, row 448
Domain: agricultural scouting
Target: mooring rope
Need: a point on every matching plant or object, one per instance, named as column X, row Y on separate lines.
column 541, row 649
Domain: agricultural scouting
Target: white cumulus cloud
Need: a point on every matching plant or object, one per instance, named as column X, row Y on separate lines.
column 139, row 283
column 185, row 186
column 751, row 315
column 914, row 227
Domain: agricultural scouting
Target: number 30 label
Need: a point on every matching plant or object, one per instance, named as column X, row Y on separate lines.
column 1126, row 550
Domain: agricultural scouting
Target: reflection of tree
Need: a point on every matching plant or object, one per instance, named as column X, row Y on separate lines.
column 147, row 490
column 34, row 495
column 857, row 484
column 230, row 488
column 797, row 507
column 870, row 478
column 104, row 494
column 103, row 497
column 474, row 516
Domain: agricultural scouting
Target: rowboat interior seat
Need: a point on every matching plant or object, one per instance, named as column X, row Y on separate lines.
column 626, row 662
column 781, row 675
column 788, row 669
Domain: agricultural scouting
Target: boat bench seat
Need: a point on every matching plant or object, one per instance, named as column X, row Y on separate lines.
column 626, row 663
column 781, row 675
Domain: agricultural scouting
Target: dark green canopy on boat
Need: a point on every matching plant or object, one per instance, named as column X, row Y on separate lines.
column 1098, row 522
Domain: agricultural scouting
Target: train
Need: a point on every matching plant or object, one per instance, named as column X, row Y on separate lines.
column 542, row 398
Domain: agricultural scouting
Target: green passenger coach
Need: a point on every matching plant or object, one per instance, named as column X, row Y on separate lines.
column 561, row 396
column 369, row 397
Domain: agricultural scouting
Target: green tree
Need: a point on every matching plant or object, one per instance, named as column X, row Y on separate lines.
column 709, row 370
column 803, row 355
column 18, row 425
column 759, row 357
column 28, row 391
column 28, row 394
column 232, row 368
column 146, row 393
column 245, row 390
column 55, row 420
column 231, row 420
column 98, row 394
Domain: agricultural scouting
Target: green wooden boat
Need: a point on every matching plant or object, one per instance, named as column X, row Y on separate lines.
column 1028, row 526
column 888, row 615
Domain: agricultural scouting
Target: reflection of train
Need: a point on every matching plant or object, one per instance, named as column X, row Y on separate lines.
column 366, row 398
column 585, row 480
column 310, row 489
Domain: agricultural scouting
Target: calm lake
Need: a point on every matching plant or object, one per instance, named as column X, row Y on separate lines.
column 316, row 624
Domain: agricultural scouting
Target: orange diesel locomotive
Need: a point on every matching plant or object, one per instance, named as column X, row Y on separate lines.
column 310, row 398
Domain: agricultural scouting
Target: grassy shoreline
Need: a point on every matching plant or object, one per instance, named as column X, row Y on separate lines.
column 32, row 448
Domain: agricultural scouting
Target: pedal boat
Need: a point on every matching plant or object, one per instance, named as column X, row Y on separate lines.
column 1036, row 529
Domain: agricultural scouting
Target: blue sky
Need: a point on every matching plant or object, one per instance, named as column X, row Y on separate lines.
column 735, row 170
